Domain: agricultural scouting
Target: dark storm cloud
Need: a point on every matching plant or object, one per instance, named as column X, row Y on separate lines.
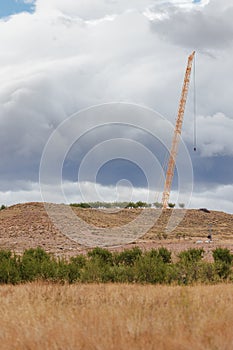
column 209, row 172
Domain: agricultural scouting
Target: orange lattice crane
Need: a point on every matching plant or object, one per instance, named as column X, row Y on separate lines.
column 177, row 133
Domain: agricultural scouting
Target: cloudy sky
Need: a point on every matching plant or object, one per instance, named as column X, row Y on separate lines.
column 60, row 57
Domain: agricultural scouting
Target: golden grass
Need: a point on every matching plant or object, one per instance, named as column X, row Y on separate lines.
column 47, row 316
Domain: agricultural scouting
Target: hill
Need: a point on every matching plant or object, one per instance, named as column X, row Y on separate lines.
column 24, row 226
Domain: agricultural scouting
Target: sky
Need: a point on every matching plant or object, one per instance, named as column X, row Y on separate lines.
column 12, row 7
column 97, row 60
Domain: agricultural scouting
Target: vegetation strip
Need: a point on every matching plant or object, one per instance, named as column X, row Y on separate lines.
column 128, row 266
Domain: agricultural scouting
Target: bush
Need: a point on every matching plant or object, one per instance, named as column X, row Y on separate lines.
column 191, row 255
column 5, row 255
column 62, row 270
column 200, row 272
column 222, row 262
column 164, row 254
column 222, row 270
column 161, row 254
column 103, row 255
column 128, row 257
column 150, row 269
column 222, row 255
column 79, row 260
column 96, row 271
column 75, row 267
column 122, row 274
column 9, row 272
column 36, row 263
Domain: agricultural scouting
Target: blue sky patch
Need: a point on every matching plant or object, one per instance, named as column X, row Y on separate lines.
column 11, row 7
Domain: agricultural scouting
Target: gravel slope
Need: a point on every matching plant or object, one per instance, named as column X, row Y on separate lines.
column 27, row 225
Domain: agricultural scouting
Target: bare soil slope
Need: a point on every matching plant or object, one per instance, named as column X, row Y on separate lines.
column 24, row 226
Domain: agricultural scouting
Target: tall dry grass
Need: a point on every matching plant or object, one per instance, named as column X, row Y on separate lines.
column 46, row 316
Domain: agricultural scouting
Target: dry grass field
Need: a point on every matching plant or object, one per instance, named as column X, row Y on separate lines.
column 48, row 316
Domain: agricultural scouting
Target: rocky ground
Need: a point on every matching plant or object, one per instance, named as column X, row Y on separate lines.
column 24, row 226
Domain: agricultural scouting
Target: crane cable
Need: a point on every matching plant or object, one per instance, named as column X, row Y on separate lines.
column 194, row 107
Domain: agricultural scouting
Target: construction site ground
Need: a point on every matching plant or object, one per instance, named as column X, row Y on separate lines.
column 24, row 226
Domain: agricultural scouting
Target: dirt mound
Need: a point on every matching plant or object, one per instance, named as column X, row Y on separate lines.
column 24, row 226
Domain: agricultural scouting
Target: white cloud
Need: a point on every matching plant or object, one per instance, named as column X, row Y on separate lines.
column 91, row 9
column 96, row 9
column 216, row 199
column 219, row 198
column 91, row 192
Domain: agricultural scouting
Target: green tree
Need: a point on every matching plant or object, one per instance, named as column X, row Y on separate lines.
column 141, row 204
column 131, row 205
column 171, row 205
column 158, row 205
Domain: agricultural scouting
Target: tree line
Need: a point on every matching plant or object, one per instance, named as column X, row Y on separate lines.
column 138, row 204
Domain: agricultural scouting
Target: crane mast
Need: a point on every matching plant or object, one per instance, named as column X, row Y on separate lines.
column 177, row 133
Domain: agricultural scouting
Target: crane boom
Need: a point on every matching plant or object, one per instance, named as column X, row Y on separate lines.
column 177, row 133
